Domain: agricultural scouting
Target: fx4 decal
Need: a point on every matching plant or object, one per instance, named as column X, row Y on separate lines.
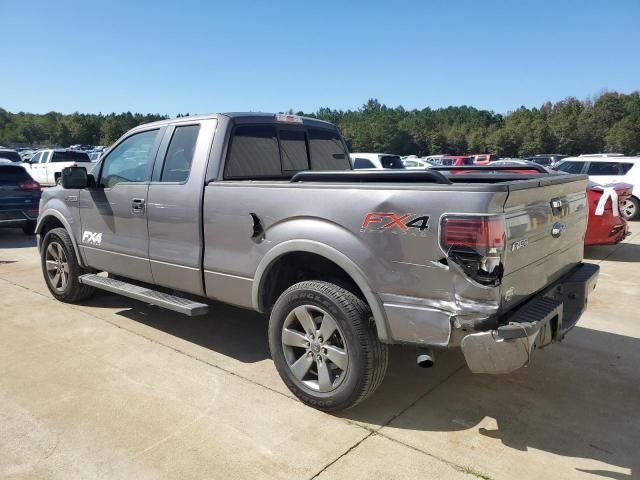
column 405, row 223
column 91, row 237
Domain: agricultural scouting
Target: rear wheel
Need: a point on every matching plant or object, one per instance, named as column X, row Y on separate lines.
column 61, row 268
column 631, row 208
column 325, row 346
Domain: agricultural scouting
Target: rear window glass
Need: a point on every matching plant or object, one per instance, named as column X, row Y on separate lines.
column 609, row 168
column 293, row 148
column 70, row 157
column 177, row 162
column 10, row 155
column 253, row 153
column 570, row 167
column 391, row 161
column 10, row 175
column 327, row 151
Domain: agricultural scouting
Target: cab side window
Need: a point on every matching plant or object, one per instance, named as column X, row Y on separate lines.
column 177, row 162
column 130, row 161
column 359, row 163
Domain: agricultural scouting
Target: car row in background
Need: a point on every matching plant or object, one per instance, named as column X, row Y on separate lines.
column 609, row 192
column 19, row 197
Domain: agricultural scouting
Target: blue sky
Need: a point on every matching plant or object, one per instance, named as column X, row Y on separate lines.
column 187, row 56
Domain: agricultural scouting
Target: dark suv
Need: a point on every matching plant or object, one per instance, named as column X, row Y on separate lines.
column 19, row 198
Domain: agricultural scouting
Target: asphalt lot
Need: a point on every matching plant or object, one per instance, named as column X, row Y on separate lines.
column 114, row 388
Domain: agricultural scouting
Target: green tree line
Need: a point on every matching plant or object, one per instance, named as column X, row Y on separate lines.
column 608, row 123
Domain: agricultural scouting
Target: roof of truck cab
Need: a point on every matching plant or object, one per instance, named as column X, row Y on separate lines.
column 242, row 116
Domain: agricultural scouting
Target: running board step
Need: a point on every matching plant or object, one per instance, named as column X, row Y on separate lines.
column 164, row 300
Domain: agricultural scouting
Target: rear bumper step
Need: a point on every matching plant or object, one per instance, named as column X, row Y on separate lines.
column 153, row 297
column 545, row 318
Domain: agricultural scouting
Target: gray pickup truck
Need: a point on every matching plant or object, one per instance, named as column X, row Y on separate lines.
column 265, row 212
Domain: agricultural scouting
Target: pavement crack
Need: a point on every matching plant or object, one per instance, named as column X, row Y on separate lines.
column 343, row 454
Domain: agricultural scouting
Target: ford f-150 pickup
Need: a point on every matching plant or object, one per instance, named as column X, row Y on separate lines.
column 265, row 212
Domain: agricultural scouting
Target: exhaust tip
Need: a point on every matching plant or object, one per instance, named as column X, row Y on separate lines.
column 425, row 360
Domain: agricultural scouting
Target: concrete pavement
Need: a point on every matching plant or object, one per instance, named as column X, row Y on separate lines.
column 113, row 388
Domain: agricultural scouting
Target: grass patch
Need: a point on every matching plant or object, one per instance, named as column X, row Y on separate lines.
column 476, row 473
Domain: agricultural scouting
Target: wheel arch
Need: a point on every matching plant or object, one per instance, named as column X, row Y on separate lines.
column 284, row 250
column 50, row 219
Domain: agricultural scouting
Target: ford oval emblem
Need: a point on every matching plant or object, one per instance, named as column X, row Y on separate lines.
column 557, row 229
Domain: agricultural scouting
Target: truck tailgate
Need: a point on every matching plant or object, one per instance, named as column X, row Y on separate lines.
column 545, row 235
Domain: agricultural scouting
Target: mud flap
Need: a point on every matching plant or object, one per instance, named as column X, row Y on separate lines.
column 487, row 353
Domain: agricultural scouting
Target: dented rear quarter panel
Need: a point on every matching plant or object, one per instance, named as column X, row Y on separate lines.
column 401, row 268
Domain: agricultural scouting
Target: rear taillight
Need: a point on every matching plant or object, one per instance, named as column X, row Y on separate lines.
column 476, row 243
column 29, row 185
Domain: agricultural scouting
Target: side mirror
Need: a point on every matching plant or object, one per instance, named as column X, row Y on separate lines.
column 74, row 178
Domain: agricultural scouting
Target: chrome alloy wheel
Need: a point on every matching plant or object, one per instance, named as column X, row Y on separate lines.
column 57, row 266
column 314, row 348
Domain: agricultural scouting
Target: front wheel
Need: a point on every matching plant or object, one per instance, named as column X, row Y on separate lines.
column 325, row 346
column 631, row 208
column 61, row 268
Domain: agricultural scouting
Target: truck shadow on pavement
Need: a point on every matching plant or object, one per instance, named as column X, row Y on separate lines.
column 578, row 399
column 234, row 332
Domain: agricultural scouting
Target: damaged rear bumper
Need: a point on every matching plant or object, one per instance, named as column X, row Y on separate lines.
column 544, row 319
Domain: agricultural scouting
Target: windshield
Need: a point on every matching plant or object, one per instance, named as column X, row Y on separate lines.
column 10, row 155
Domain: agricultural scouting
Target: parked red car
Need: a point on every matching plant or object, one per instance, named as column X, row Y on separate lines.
column 606, row 225
column 483, row 158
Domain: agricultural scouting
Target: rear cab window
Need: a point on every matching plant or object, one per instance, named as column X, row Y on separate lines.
column 277, row 152
column 70, row 157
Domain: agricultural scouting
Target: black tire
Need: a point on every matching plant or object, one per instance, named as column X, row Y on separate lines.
column 73, row 291
column 367, row 356
column 635, row 209
column 29, row 228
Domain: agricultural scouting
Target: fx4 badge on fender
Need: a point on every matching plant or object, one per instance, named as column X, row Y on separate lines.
column 406, row 223
column 91, row 237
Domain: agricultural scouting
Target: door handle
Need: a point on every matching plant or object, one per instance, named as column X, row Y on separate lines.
column 137, row 206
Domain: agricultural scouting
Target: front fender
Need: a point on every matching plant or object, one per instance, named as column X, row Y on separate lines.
column 54, row 209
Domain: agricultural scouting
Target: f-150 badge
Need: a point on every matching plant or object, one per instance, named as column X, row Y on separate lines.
column 92, row 237
column 404, row 223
